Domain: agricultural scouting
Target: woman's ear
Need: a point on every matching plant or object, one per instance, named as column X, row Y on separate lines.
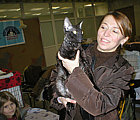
column 124, row 40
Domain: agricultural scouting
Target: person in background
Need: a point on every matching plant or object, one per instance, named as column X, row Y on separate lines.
column 9, row 107
column 99, row 99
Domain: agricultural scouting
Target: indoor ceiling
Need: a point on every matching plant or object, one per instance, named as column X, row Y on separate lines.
column 15, row 8
column 28, row 1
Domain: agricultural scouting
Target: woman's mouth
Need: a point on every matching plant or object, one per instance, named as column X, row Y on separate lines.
column 104, row 40
column 11, row 112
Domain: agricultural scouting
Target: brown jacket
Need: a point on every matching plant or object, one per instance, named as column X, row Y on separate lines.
column 111, row 80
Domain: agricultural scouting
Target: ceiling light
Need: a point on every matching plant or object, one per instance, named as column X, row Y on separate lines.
column 55, row 7
column 36, row 9
column 36, row 14
column 88, row 5
column 64, row 12
column 65, row 7
column 13, row 10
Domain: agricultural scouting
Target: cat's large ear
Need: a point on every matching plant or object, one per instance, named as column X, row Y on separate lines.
column 80, row 24
column 67, row 24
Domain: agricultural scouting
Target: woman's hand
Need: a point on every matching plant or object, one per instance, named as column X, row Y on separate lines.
column 64, row 101
column 70, row 64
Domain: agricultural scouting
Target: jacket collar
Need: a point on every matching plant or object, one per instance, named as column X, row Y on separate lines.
column 113, row 58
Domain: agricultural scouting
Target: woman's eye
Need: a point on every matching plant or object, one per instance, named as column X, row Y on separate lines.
column 12, row 103
column 103, row 27
column 74, row 32
column 6, row 106
column 115, row 31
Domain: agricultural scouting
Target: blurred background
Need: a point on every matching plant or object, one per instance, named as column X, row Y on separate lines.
column 42, row 25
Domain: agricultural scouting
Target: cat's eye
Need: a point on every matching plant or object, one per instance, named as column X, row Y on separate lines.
column 74, row 32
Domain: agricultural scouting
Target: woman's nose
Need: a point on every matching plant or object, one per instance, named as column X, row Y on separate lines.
column 10, row 107
column 107, row 33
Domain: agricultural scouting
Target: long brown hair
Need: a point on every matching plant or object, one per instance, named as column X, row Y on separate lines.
column 122, row 21
column 6, row 96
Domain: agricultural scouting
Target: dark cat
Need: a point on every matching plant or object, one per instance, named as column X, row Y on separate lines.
column 72, row 43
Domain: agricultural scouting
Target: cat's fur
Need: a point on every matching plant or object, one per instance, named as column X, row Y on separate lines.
column 72, row 43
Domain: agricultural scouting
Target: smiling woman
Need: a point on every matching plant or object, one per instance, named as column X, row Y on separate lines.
column 100, row 95
column 113, row 32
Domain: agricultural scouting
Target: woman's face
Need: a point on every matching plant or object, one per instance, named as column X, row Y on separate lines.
column 9, row 109
column 109, row 35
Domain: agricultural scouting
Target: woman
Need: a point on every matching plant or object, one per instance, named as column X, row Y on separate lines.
column 9, row 107
column 100, row 100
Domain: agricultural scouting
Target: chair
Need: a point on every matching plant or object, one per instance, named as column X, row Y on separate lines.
column 34, row 81
column 136, row 88
column 31, row 75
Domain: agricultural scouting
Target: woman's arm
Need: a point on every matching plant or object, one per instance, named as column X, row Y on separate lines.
column 92, row 100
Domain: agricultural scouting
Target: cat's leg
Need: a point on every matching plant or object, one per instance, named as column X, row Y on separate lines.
column 60, row 84
column 61, row 77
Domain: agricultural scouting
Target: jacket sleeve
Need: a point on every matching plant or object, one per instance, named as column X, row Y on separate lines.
column 97, row 102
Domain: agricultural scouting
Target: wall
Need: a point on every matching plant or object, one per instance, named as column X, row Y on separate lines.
column 118, row 4
column 129, row 12
column 17, row 57
column 137, row 16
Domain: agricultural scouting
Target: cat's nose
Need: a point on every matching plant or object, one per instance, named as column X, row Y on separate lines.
column 81, row 39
